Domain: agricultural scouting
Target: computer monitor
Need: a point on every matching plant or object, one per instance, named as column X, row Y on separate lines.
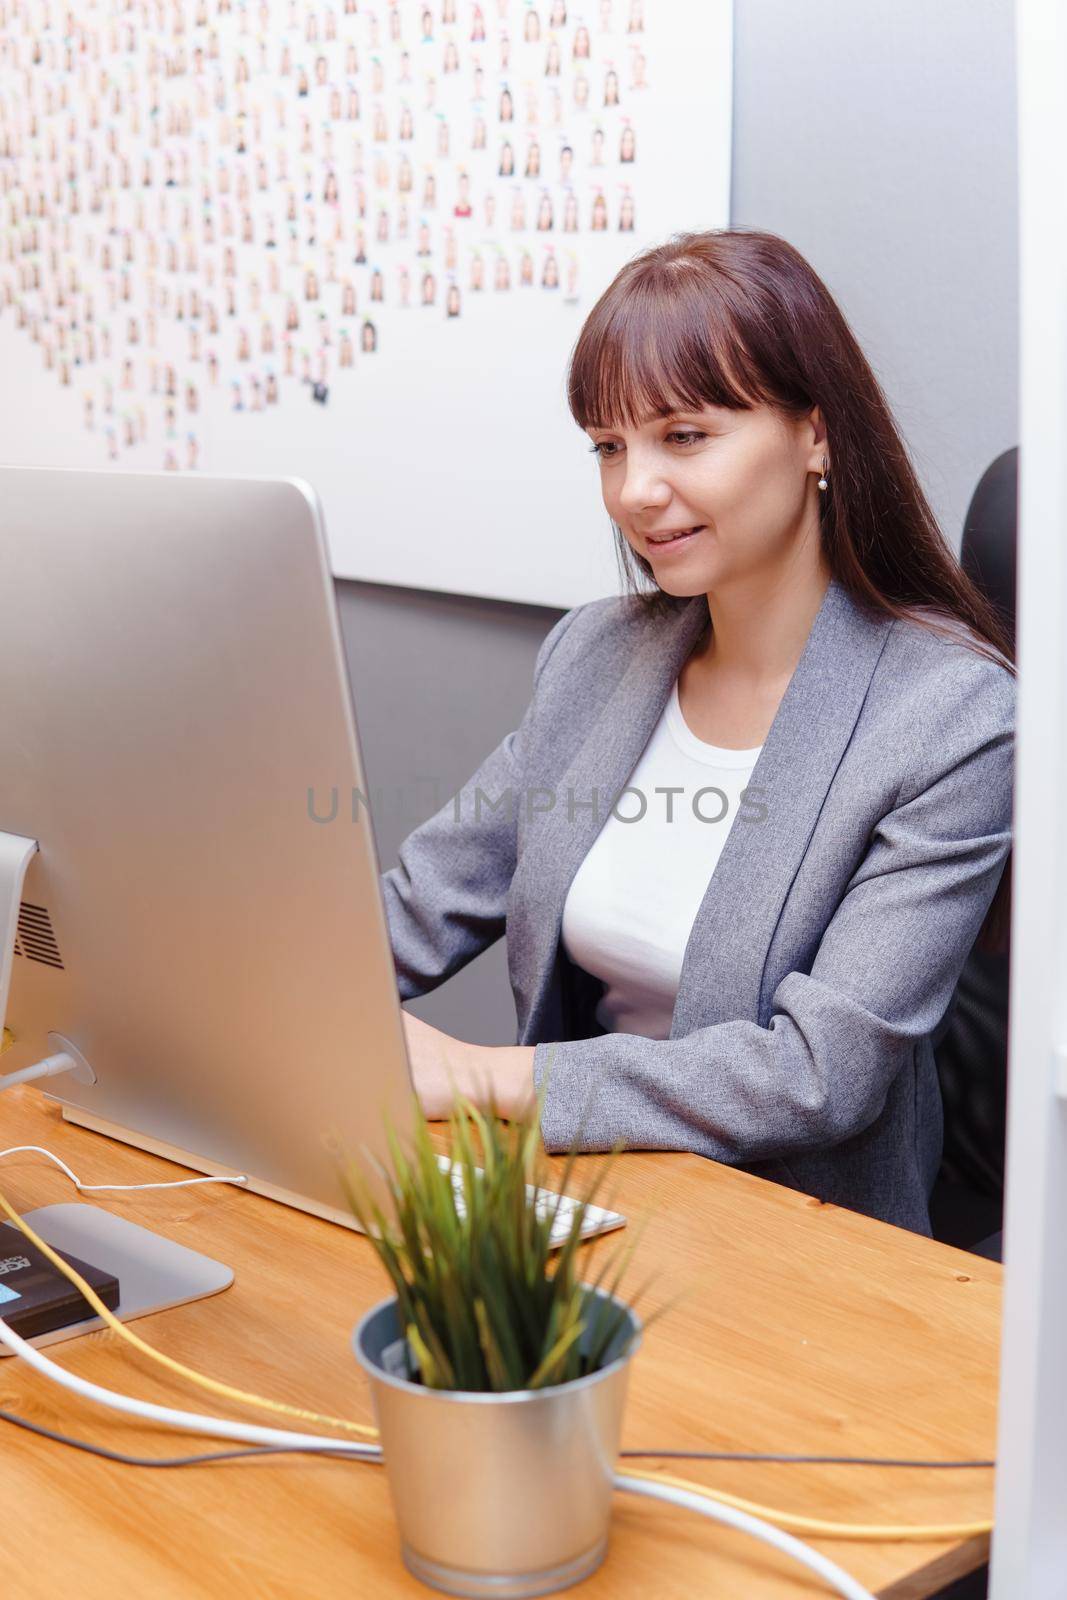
column 202, row 919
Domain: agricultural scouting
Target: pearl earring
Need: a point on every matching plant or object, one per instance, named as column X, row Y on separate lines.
column 823, row 483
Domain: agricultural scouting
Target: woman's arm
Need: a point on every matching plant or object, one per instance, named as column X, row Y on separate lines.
column 882, row 978
column 445, row 899
column 443, row 1067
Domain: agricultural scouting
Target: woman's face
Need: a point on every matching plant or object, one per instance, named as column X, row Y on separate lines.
column 743, row 479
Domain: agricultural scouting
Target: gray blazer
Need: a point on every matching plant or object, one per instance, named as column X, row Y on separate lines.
column 833, row 929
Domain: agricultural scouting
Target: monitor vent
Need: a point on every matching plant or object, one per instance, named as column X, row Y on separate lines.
column 35, row 939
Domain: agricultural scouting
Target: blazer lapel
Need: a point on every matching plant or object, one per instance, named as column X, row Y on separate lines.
column 722, row 971
column 556, row 845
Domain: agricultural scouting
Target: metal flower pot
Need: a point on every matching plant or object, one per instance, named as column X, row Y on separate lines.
column 507, row 1495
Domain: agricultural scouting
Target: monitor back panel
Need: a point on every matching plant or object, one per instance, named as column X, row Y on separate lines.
column 203, row 919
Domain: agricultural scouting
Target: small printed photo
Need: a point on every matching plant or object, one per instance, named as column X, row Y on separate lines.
column 463, row 207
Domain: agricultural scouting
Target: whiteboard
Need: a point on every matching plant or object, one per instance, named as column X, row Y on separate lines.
column 353, row 242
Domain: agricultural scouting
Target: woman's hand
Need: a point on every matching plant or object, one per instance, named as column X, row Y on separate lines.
column 443, row 1067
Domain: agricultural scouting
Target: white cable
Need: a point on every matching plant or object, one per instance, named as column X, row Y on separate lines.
column 49, row 1067
column 834, row 1575
column 187, row 1421
column 90, row 1188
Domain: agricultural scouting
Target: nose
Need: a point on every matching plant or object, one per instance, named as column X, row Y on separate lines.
column 644, row 485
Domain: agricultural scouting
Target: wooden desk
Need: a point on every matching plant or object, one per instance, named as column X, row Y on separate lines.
column 803, row 1328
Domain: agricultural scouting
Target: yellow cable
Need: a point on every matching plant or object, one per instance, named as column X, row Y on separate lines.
column 790, row 1521
column 199, row 1378
column 794, row 1523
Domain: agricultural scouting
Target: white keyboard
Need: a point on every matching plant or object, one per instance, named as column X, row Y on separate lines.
column 596, row 1220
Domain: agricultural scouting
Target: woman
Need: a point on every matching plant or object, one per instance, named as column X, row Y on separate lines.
column 810, row 714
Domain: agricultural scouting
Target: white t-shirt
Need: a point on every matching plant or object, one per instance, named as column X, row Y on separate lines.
column 632, row 903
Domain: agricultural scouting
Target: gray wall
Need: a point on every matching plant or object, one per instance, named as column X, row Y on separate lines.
column 881, row 142
column 438, row 681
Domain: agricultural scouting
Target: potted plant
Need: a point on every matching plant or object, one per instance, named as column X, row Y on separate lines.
column 498, row 1377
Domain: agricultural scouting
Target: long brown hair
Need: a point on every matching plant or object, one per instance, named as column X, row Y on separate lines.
column 737, row 318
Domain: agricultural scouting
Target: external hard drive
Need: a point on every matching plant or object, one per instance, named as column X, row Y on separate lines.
column 35, row 1297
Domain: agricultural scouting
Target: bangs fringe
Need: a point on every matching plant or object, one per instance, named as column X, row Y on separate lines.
column 658, row 341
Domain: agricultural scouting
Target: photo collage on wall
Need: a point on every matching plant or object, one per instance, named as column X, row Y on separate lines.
column 237, row 198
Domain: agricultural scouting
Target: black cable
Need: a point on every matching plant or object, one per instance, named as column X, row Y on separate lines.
column 179, row 1461
column 341, row 1455
column 821, row 1461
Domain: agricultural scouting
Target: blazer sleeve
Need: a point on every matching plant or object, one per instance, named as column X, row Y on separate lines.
column 882, row 977
column 445, row 899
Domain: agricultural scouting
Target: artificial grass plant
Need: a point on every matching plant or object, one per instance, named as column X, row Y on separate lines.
column 484, row 1301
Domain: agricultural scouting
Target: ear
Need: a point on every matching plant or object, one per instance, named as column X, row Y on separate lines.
column 819, row 449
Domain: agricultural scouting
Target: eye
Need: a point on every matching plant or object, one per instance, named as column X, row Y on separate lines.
column 684, row 437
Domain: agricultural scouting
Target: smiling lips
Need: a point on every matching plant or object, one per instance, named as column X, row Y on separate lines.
column 671, row 538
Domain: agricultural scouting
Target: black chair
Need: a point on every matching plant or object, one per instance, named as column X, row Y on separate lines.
column 971, row 1044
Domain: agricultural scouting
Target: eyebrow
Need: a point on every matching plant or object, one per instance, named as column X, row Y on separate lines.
column 653, row 416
